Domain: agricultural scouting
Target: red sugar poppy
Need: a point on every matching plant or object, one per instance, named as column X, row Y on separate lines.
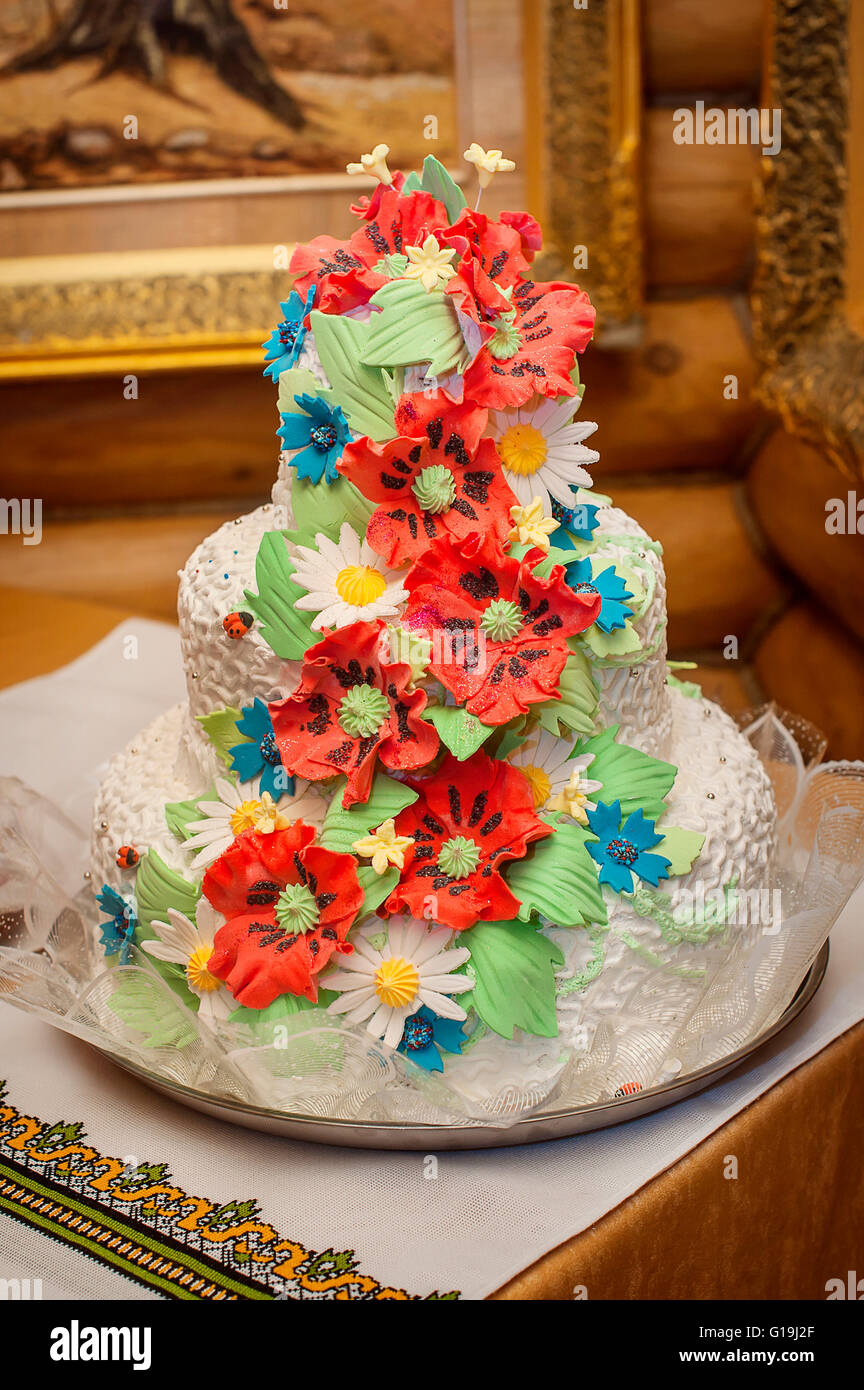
column 433, row 432
column 315, row 745
column 553, row 322
column 482, row 800
column 343, row 270
column 257, row 957
column 450, row 588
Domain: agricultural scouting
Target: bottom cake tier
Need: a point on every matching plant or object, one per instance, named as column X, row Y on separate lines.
column 646, row 966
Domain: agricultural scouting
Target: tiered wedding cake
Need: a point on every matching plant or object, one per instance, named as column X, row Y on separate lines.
column 433, row 774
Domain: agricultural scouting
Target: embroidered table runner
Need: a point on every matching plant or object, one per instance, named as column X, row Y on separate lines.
column 108, row 1190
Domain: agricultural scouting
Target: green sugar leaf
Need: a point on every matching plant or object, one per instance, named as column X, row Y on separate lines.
column 414, row 326
column 357, row 387
column 157, row 887
column 513, row 966
column 628, row 775
column 412, row 183
column 386, row 799
column 299, row 381
column 577, row 706
column 285, row 629
column 437, row 181
column 178, row 814
column 147, row 1009
column 220, row 726
column 461, row 732
column 376, row 887
column 558, row 878
column 681, row 847
column 620, row 642
column 325, row 506
column 288, row 1011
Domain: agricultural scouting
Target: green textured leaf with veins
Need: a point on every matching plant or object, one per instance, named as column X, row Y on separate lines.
column 558, row 878
column 437, row 181
column 299, row 381
column 356, row 384
column 376, row 887
column 461, row 732
column 220, row 726
column 145, row 1008
column 158, row 887
column 681, row 847
column 386, row 799
column 627, row 775
column 413, row 327
column 178, row 814
column 513, row 966
column 324, row 507
column 285, row 629
column 577, row 707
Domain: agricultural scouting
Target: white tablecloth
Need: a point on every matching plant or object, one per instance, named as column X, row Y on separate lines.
column 464, row 1222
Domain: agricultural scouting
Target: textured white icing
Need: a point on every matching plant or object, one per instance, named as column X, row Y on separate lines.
column 721, row 789
column 635, row 696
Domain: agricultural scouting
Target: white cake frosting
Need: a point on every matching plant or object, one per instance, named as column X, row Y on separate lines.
column 721, row 789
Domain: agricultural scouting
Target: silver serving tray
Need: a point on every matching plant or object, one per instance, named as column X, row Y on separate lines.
column 550, row 1124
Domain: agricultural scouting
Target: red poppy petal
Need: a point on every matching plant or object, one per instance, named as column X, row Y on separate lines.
column 252, row 859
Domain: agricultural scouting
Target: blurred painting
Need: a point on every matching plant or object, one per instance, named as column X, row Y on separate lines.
column 101, row 92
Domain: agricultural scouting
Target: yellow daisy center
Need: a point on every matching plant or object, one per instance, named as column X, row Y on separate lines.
column 523, row 449
column 540, row 784
column 197, row 974
column 396, row 982
column 360, row 584
column 246, row 817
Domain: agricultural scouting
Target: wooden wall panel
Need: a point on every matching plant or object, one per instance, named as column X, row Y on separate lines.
column 699, row 45
column 808, row 664
column 717, row 585
column 129, row 562
column 662, row 406
column 213, row 434
column 788, row 487
column 188, row 436
column 699, row 209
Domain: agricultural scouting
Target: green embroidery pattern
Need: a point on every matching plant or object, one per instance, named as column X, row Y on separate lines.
column 139, row 1223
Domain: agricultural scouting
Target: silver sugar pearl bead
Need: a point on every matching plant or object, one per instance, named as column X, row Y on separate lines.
column 238, row 520
column 87, row 875
column 103, row 825
column 722, row 758
column 709, row 796
column 195, row 676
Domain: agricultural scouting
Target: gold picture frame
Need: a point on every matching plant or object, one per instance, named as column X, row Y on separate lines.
column 178, row 304
column 582, row 140
column 808, row 289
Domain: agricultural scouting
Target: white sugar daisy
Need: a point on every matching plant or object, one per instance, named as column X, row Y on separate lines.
column 242, row 808
column 190, row 944
column 412, row 968
column 558, row 781
column 345, row 582
column 542, row 451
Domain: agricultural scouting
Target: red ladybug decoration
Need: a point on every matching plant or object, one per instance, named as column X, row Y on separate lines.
column 237, row 624
column 127, row 857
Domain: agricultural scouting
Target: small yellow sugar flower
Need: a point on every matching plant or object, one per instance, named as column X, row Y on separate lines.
column 384, row 847
column 572, row 799
column 488, row 162
column 430, row 263
column 374, row 164
column 530, row 526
